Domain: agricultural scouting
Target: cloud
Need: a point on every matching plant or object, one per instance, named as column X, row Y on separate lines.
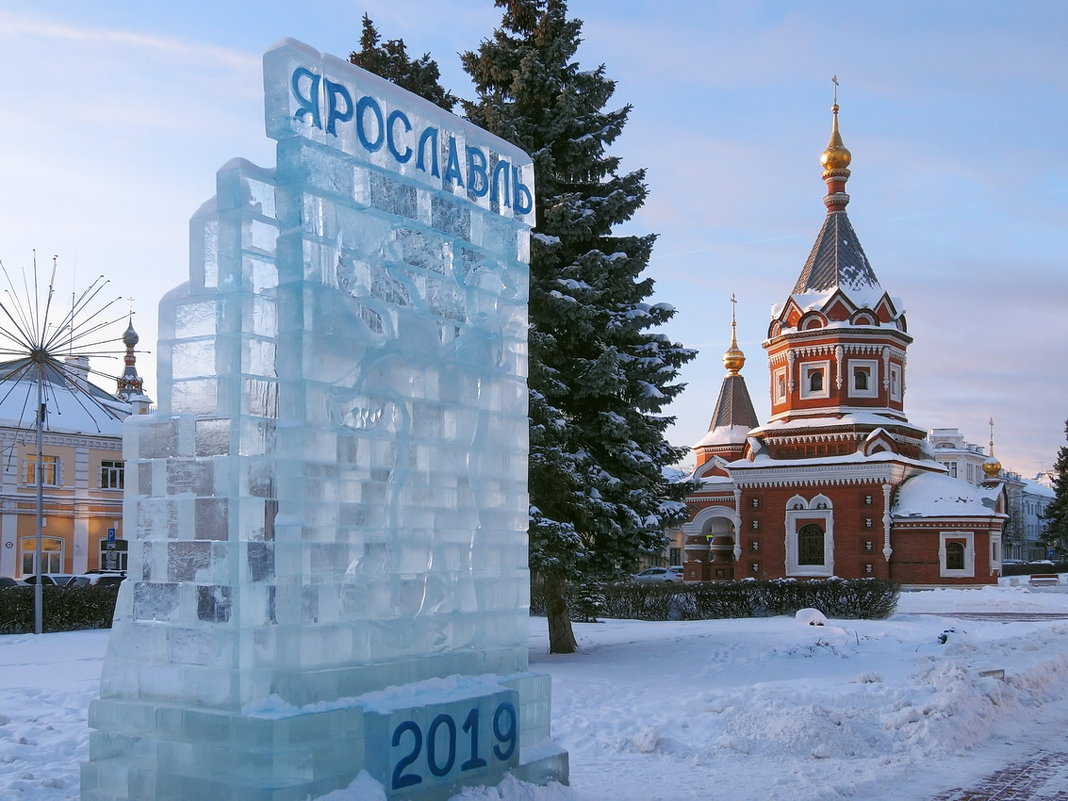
column 23, row 27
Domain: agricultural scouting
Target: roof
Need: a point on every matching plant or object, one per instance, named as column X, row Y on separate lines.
column 72, row 403
column 939, row 495
column 733, row 416
column 837, row 261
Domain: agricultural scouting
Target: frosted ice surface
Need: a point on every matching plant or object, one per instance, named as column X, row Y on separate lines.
column 332, row 498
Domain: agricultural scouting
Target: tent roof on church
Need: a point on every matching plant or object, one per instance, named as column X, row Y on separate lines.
column 939, row 495
column 837, row 261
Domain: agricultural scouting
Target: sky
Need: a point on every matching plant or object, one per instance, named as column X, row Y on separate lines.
column 663, row 711
column 119, row 113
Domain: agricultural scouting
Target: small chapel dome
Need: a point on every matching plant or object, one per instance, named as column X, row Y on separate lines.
column 992, row 467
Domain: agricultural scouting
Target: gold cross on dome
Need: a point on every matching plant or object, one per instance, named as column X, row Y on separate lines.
column 834, row 80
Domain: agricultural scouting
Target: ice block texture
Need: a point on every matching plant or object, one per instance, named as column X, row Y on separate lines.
column 331, row 498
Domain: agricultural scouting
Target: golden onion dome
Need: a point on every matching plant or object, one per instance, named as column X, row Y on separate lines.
column 734, row 359
column 836, row 157
column 992, row 466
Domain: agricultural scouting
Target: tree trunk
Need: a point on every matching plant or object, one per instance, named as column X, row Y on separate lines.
column 561, row 637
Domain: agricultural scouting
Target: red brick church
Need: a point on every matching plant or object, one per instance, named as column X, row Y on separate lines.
column 837, row 482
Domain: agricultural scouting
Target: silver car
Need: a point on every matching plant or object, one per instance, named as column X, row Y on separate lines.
column 659, row 574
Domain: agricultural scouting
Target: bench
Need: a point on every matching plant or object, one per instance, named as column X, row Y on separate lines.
column 1043, row 579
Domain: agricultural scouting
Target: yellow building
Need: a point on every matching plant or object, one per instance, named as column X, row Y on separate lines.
column 82, row 467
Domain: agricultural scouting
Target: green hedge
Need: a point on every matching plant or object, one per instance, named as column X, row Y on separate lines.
column 64, row 609
column 866, row 599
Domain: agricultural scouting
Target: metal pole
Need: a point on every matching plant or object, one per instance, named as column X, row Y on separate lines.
column 38, row 589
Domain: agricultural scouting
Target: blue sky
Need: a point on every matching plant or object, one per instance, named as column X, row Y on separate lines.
column 118, row 114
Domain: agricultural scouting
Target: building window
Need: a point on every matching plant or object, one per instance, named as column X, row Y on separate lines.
column 867, row 522
column 49, row 470
column 810, row 545
column 756, row 503
column 51, row 555
column 755, row 525
column 952, row 468
column 867, row 500
column 676, row 556
column 113, row 558
column 112, row 475
column 860, row 378
column 814, row 383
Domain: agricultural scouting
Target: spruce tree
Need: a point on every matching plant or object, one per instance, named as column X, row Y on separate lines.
column 1055, row 533
column 390, row 60
column 600, row 374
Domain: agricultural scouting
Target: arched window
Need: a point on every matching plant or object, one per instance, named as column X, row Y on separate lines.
column 954, row 556
column 810, row 545
column 860, row 378
column 815, row 381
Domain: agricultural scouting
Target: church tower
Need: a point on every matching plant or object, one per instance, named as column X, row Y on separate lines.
column 131, row 387
column 837, row 346
column 733, row 417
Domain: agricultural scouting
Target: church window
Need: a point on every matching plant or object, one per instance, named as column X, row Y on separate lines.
column 756, row 503
column 863, row 378
column 780, row 385
column 814, row 383
column 954, row 556
column 895, row 382
column 810, row 545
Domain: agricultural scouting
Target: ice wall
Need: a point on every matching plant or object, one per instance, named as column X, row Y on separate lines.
column 331, row 500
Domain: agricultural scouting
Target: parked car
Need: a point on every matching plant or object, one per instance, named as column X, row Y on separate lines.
column 7, row 581
column 658, row 574
column 51, row 579
column 98, row 579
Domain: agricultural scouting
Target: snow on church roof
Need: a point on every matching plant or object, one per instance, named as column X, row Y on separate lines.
column 939, row 495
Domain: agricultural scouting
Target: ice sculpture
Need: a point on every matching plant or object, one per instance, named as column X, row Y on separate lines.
column 329, row 569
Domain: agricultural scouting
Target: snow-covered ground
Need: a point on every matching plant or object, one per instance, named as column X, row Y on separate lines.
column 742, row 709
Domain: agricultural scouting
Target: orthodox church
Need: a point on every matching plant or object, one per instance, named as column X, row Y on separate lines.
column 837, row 482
